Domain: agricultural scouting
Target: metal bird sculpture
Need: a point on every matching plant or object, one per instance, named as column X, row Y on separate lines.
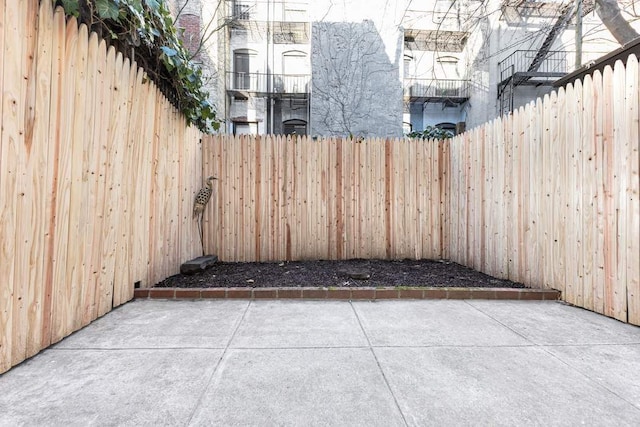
column 202, row 198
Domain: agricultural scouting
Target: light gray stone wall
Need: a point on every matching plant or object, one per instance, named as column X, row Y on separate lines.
column 356, row 87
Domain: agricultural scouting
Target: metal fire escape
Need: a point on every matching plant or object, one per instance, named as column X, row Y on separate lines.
column 531, row 67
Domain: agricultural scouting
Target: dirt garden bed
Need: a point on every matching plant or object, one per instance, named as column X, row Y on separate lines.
column 351, row 273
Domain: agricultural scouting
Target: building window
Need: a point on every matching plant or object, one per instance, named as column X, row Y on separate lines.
column 294, row 127
column 295, row 62
column 245, row 128
column 295, row 11
column 295, row 68
column 242, row 67
column 241, row 11
column 408, row 62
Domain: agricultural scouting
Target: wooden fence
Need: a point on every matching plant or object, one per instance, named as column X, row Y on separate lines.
column 547, row 196
column 98, row 173
column 97, row 176
column 280, row 198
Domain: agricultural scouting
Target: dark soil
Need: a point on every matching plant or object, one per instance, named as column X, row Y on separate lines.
column 349, row 273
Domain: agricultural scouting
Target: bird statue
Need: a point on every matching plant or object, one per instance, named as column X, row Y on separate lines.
column 203, row 196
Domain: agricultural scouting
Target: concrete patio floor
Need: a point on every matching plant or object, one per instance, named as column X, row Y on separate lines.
column 386, row 363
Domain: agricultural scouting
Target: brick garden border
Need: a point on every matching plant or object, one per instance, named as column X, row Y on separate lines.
column 361, row 293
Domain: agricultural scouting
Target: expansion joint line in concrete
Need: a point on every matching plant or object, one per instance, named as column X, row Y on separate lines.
column 545, row 348
column 375, row 357
column 217, row 368
column 588, row 377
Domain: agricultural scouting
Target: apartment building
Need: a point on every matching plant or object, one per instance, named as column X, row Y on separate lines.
column 268, row 73
column 385, row 68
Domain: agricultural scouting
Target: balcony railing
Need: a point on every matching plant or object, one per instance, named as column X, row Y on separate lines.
column 436, row 88
column 281, row 32
column 253, row 10
column 553, row 64
column 268, row 83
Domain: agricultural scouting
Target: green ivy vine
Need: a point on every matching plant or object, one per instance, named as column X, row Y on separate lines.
column 144, row 30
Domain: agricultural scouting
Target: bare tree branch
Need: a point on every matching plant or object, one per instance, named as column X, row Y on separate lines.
column 612, row 18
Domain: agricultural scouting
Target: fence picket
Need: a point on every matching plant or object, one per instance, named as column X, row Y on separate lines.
column 502, row 129
column 620, row 186
column 559, row 221
column 587, row 161
column 7, row 230
column 632, row 107
column 547, row 191
column 608, row 188
column 570, row 215
column 41, row 82
column 15, row 158
column 598, row 211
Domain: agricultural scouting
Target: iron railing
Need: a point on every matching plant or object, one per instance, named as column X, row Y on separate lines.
column 269, row 83
column 254, row 10
column 526, row 61
column 436, row 88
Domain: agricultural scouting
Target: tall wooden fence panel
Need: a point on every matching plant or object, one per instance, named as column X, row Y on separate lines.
column 283, row 198
column 549, row 196
column 97, row 177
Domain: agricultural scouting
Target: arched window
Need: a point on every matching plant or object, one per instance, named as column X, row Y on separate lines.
column 447, row 67
column 294, row 127
column 408, row 66
column 295, row 70
column 295, row 62
column 447, row 59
